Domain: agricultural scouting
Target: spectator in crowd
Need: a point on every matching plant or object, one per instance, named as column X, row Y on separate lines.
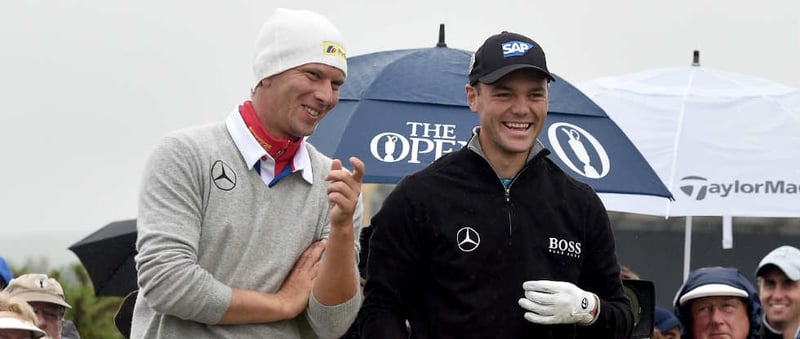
column 627, row 273
column 666, row 325
column 47, row 299
column 717, row 302
column 69, row 330
column 778, row 276
column 5, row 274
column 17, row 320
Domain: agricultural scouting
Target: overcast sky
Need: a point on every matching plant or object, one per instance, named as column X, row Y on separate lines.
column 88, row 86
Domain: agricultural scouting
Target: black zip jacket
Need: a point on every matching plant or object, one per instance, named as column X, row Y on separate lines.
column 766, row 333
column 451, row 248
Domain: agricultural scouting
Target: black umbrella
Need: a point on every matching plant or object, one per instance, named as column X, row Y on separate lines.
column 108, row 256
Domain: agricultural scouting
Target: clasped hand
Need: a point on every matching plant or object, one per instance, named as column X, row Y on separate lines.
column 557, row 302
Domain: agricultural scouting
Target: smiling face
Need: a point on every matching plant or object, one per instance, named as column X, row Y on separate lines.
column 780, row 298
column 291, row 104
column 512, row 112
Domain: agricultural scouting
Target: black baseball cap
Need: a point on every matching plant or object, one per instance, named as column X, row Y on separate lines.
column 504, row 53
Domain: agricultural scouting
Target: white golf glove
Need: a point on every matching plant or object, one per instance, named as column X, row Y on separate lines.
column 557, row 302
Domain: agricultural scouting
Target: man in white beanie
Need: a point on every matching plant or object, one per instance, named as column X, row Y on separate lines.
column 778, row 276
column 234, row 217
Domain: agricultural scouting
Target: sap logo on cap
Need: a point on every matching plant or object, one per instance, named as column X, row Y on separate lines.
column 515, row 48
column 333, row 49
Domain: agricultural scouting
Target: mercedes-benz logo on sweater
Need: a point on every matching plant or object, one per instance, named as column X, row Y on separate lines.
column 223, row 176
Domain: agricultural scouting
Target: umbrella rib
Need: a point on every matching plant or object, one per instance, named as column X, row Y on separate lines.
column 678, row 133
column 115, row 272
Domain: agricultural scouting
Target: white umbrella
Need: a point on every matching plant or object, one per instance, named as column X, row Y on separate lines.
column 724, row 144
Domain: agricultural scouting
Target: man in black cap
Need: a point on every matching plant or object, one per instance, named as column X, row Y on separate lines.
column 494, row 240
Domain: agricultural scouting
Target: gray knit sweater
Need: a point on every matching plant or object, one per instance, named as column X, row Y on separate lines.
column 208, row 223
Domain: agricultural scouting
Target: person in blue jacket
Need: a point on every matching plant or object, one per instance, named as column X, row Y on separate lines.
column 716, row 302
column 5, row 274
column 494, row 240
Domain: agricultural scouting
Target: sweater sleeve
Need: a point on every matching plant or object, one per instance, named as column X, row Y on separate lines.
column 600, row 275
column 333, row 321
column 169, row 226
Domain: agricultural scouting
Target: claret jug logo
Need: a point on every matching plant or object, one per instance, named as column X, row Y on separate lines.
column 699, row 188
column 423, row 143
column 583, row 152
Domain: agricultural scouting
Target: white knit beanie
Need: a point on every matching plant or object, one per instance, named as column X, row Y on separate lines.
column 291, row 38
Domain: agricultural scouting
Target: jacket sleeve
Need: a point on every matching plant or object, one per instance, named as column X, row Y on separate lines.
column 168, row 225
column 600, row 274
column 392, row 267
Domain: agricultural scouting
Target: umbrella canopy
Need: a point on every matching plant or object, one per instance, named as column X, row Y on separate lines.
column 725, row 144
column 108, row 255
column 400, row 110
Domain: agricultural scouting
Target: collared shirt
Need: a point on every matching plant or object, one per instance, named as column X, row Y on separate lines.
column 255, row 155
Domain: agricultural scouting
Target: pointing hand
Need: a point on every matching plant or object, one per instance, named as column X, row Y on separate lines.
column 344, row 189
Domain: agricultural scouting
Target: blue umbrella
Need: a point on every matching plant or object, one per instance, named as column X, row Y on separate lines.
column 400, row 110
